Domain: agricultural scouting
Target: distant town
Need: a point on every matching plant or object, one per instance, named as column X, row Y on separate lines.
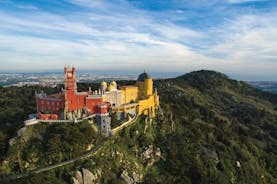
column 52, row 79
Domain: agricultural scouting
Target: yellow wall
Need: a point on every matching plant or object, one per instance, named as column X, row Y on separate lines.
column 141, row 91
column 146, row 106
column 129, row 94
column 143, row 94
column 104, row 98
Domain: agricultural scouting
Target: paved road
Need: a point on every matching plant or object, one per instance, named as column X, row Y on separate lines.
column 126, row 124
column 85, row 156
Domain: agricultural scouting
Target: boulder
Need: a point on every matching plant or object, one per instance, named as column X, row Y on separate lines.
column 79, row 177
column 136, row 177
column 127, row 178
column 88, row 177
column 75, row 181
column 147, row 153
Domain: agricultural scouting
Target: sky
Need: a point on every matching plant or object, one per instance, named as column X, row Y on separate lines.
column 236, row 37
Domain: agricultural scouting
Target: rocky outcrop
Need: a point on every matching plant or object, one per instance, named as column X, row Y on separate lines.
column 137, row 177
column 131, row 179
column 75, row 181
column 78, row 178
column 87, row 177
column 150, row 155
column 77, row 114
column 127, row 178
column 146, row 155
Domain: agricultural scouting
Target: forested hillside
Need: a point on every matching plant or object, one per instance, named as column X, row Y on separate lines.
column 209, row 129
column 225, row 131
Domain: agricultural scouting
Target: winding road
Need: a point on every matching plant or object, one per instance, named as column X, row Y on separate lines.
column 85, row 156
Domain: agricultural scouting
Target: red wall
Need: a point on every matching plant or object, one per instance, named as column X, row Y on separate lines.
column 75, row 101
column 48, row 116
column 103, row 108
column 49, row 105
column 92, row 104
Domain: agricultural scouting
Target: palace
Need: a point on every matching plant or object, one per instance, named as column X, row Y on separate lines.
column 70, row 104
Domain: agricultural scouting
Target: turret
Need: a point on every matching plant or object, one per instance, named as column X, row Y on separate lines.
column 73, row 70
column 145, row 85
column 65, row 69
column 103, row 87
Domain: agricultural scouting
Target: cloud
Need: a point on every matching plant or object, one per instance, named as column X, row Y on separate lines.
column 247, row 44
column 102, row 35
column 248, row 38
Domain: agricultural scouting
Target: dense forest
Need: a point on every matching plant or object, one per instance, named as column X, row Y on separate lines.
column 209, row 129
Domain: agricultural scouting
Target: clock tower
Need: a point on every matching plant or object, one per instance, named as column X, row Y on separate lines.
column 70, row 79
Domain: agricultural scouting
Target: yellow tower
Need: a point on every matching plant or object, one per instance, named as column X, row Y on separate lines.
column 148, row 83
column 140, row 97
column 145, row 85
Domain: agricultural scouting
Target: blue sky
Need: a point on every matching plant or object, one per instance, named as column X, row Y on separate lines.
column 237, row 37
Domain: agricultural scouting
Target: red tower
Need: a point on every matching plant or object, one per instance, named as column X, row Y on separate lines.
column 69, row 100
column 103, row 108
column 70, row 81
column 73, row 99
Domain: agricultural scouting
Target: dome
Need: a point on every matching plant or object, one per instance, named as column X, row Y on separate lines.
column 109, row 88
column 103, row 86
column 113, row 83
column 112, row 86
column 143, row 76
column 103, row 83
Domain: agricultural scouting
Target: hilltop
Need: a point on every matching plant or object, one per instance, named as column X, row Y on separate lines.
column 225, row 126
column 210, row 129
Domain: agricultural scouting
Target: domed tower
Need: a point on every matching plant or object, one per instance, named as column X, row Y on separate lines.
column 145, row 85
column 114, row 84
column 103, row 87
